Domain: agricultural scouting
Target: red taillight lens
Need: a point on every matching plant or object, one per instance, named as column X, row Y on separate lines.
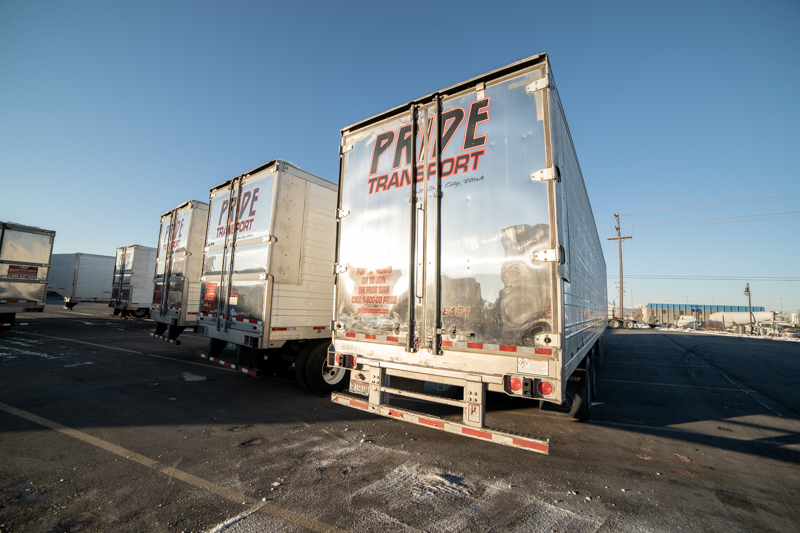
column 353, row 361
column 545, row 388
column 514, row 384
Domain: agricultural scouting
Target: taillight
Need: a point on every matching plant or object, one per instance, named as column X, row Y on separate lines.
column 514, row 384
column 353, row 361
column 546, row 388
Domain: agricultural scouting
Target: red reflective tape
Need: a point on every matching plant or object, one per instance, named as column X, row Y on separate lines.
column 396, row 414
column 360, row 405
column 349, row 334
column 447, row 343
column 504, row 348
column 191, row 313
column 431, row 423
column 278, row 329
column 477, row 345
column 369, row 337
column 476, row 433
column 319, row 327
column 77, row 297
column 392, row 339
column 543, row 351
column 528, row 444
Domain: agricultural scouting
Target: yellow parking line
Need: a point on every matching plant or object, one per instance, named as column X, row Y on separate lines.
column 236, row 497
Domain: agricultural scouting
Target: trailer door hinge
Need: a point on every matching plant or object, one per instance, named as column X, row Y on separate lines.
column 549, row 256
column 546, row 174
column 343, row 149
column 550, row 340
column 341, row 213
column 538, row 85
column 339, row 269
column 269, row 238
column 481, row 90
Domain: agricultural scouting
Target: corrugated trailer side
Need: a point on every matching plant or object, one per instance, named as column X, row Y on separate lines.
column 583, row 272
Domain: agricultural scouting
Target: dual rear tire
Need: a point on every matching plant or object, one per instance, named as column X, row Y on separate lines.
column 312, row 371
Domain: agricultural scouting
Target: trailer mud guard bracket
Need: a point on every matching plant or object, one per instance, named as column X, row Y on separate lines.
column 506, row 438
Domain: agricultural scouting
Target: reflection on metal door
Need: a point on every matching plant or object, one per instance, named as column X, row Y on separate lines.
column 451, row 261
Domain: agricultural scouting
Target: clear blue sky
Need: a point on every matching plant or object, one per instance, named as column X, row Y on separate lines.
column 113, row 113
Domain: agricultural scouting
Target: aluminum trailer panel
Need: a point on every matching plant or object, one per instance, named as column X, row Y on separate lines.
column 492, row 273
column 269, row 247
column 25, row 253
column 179, row 262
column 132, row 288
column 81, row 277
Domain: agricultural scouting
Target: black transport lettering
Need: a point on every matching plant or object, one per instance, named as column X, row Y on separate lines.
column 252, row 212
column 222, row 213
column 404, row 142
column 382, row 143
column 245, row 203
column 476, row 116
column 452, row 120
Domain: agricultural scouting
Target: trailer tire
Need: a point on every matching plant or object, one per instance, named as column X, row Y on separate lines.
column 583, row 396
column 139, row 313
column 629, row 324
column 322, row 378
column 273, row 364
column 300, row 363
column 614, row 323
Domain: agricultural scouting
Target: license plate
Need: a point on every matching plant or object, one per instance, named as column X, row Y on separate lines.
column 359, row 387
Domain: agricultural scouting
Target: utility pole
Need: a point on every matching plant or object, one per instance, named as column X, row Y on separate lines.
column 749, row 307
column 619, row 238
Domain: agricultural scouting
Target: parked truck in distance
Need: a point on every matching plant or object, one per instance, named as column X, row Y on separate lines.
column 132, row 282
column 24, row 266
column 179, row 261
column 81, row 278
column 468, row 257
column 266, row 279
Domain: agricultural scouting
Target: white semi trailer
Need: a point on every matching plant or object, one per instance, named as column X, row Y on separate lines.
column 132, row 282
column 266, row 280
column 467, row 256
column 179, row 261
column 81, row 278
column 24, row 266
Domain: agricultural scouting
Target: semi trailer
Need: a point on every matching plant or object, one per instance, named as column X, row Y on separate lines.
column 266, row 279
column 81, row 278
column 179, row 260
column 467, row 257
column 25, row 253
column 132, row 281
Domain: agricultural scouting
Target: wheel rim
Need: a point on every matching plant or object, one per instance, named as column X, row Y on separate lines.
column 333, row 374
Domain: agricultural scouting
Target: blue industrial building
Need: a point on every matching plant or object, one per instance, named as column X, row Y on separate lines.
column 669, row 313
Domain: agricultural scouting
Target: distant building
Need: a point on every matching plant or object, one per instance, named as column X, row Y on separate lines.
column 669, row 313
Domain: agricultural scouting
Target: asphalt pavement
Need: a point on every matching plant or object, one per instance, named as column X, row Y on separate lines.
column 104, row 428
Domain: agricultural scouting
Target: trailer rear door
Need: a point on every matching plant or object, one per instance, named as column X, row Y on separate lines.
column 236, row 279
column 474, row 264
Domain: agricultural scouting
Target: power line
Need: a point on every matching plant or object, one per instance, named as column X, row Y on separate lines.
column 763, row 217
column 709, row 205
column 709, row 278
